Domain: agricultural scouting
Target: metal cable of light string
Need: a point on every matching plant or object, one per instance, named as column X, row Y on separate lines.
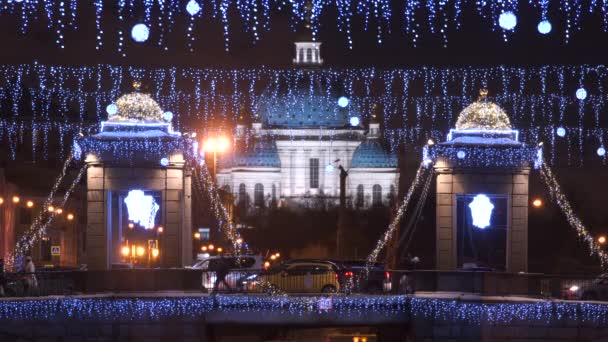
column 37, row 228
column 575, row 222
column 373, row 256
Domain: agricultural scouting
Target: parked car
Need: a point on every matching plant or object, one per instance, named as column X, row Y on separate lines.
column 240, row 267
column 361, row 279
column 598, row 290
column 296, row 276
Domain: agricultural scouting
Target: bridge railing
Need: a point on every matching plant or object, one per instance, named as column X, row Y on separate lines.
column 256, row 281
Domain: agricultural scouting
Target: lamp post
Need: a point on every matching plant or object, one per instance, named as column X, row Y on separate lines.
column 215, row 145
column 340, row 232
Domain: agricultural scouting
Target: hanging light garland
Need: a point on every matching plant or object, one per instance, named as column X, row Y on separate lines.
column 394, row 308
column 575, row 222
column 416, row 104
column 426, row 19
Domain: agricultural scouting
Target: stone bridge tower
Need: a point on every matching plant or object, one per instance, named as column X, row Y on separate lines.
column 138, row 188
column 482, row 191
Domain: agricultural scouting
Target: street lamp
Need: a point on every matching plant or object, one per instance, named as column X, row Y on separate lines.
column 537, row 203
column 601, row 240
column 29, row 204
column 215, row 145
column 16, row 199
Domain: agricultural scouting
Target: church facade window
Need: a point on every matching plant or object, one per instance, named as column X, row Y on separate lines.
column 314, row 173
column 360, row 196
column 258, row 195
column 242, row 194
column 377, row 195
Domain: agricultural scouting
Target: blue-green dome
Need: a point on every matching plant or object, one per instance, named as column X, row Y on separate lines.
column 371, row 154
column 305, row 106
column 261, row 153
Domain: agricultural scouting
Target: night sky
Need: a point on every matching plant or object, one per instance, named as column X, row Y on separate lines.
column 475, row 44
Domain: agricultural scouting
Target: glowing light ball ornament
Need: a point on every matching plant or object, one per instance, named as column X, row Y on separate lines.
column 112, row 109
column 164, row 162
column 481, row 211
column 168, row 116
column 544, row 27
column 193, row 7
column 581, row 93
column 461, row 154
column 354, row 121
column 561, row 132
column 343, row 101
column 507, row 20
column 601, row 151
column 140, row 33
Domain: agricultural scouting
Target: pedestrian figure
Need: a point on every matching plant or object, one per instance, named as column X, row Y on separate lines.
column 31, row 283
column 221, row 272
column 2, row 278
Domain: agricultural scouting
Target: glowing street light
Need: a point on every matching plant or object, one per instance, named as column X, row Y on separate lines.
column 197, row 235
column 1, row 200
column 220, row 249
column 216, row 145
column 29, row 204
column 203, row 248
column 59, row 211
column 155, row 252
column 125, row 251
column 50, row 208
column 239, row 241
column 131, row 225
column 70, row 217
column 16, row 199
column 211, row 247
column 273, row 257
column 601, row 240
column 160, row 230
column 537, row 203
column 140, row 251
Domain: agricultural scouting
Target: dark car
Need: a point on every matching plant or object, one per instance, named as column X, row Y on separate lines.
column 355, row 276
column 598, row 290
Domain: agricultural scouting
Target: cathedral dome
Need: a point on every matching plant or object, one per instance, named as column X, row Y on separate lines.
column 262, row 153
column 309, row 105
column 371, row 154
column 483, row 115
column 136, row 107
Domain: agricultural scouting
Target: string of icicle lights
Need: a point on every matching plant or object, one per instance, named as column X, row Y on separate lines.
column 162, row 22
column 575, row 222
column 559, row 105
column 395, row 308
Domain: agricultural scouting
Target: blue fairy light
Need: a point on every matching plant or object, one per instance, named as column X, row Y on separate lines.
column 461, row 154
column 354, row 121
column 164, row 162
column 581, row 93
column 507, row 20
column 343, row 101
column 193, row 7
column 544, row 27
column 601, row 151
column 140, row 33
column 561, row 132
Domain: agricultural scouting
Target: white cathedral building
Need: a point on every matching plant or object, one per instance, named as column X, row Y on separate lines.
column 298, row 141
